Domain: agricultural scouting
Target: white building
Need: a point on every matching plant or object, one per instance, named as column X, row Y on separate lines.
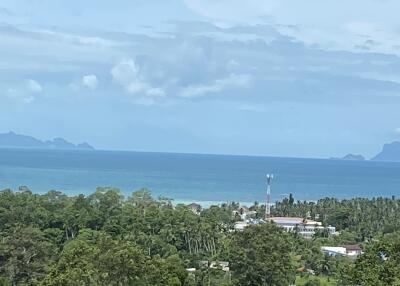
column 344, row 250
column 240, row 225
column 333, row 250
column 306, row 228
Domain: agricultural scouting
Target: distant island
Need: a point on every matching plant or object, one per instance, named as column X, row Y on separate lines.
column 13, row 140
column 351, row 157
column 389, row 153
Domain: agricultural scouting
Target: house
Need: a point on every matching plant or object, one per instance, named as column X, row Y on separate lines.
column 196, row 208
column 344, row 250
column 353, row 250
column 240, row 225
column 333, row 250
column 245, row 212
column 305, row 227
column 223, row 265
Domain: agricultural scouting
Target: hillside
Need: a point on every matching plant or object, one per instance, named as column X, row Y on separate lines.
column 390, row 152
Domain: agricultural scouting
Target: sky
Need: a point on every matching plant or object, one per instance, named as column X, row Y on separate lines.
column 258, row 77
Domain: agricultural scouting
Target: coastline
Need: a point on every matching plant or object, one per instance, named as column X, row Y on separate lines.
column 206, row 180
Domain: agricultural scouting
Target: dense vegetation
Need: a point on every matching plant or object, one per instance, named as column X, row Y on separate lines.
column 362, row 218
column 106, row 239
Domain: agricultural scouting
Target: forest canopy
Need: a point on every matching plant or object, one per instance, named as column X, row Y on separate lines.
column 107, row 239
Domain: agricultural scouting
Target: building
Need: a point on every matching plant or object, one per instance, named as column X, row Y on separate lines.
column 344, row 250
column 353, row 250
column 304, row 227
column 245, row 213
column 196, row 208
column 240, row 225
column 333, row 250
column 222, row 265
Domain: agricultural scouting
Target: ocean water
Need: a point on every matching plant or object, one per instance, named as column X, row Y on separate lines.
column 192, row 177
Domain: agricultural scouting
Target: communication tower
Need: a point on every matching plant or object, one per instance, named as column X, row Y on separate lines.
column 268, row 203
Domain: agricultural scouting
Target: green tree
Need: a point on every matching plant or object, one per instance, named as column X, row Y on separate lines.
column 261, row 255
column 94, row 258
column 379, row 265
column 26, row 255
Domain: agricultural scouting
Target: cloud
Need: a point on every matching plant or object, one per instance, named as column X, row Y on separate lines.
column 128, row 75
column 24, row 91
column 274, row 56
column 219, row 85
column 34, row 86
column 198, row 59
column 90, row 81
column 313, row 21
column 20, row 95
column 156, row 92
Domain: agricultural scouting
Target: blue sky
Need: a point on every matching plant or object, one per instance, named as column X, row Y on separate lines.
column 268, row 77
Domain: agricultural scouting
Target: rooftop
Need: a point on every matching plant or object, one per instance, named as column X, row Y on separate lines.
column 352, row 247
column 294, row 220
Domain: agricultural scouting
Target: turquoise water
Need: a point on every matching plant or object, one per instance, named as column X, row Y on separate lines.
column 190, row 177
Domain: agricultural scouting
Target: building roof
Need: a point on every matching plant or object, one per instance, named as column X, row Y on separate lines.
column 334, row 249
column 313, row 222
column 354, row 247
column 295, row 221
column 194, row 206
column 287, row 220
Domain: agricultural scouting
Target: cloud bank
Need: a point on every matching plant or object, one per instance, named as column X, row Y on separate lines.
column 275, row 77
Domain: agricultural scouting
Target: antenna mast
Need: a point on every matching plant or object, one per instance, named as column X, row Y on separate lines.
column 268, row 204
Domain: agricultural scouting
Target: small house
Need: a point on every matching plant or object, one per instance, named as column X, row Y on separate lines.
column 196, row 208
column 353, row 250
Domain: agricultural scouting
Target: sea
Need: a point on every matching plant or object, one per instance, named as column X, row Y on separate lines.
column 205, row 179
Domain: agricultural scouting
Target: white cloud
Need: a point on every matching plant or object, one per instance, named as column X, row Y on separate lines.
column 233, row 80
column 313, row 21
column 127, row 74
column 90, row 81
column 156, row 92
column 397, row 131
column 137, row 87
column 34, row 86
column 24, row 92
column 20, row 96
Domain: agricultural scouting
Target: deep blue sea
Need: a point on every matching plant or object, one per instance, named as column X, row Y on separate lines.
column 192, row 177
